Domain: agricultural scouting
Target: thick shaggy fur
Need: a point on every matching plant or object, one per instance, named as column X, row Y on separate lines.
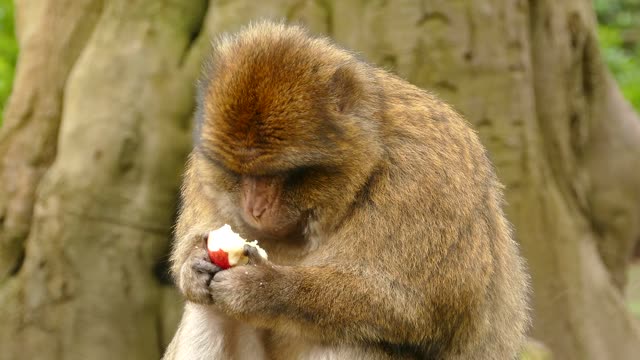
column 403, row 250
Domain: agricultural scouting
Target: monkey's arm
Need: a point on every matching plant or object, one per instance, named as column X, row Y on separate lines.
column 356, row 297
column 197, row 217
column 322, row 302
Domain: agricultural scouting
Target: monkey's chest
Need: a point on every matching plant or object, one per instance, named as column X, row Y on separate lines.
column 286, row 347
column 240, row 341
column 285, row 253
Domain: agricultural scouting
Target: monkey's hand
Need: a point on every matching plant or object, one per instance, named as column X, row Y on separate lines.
column 196, row 273
column 230, row 289
column 254, row 256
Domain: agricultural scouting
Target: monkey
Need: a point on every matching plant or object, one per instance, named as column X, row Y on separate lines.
column 378, row 206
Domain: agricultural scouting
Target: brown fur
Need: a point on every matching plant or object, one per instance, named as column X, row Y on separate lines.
column 395, row 246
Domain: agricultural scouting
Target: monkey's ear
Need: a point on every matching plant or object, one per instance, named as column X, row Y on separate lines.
column 346, row 88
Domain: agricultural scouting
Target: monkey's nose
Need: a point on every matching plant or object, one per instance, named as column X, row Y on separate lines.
column 257, row 211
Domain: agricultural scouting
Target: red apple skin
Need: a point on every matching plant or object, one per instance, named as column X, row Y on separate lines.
column 220, row 258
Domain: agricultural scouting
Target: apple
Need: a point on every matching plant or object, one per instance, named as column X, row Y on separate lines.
column 220, row 258
column 226, row 248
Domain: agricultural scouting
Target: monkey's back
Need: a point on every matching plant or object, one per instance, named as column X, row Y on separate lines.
column 438, row 165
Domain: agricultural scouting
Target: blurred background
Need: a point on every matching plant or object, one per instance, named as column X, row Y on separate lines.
column 97, row 99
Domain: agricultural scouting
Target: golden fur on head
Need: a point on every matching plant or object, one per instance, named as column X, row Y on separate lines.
column 270, row 90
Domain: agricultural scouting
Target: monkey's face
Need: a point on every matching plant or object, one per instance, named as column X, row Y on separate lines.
column 267, row 205
column 272, row 186
column 278, row 127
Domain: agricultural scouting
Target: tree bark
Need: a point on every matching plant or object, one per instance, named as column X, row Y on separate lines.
column 111, row 84
column 97, row 129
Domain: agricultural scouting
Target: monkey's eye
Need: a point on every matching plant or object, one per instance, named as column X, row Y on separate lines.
column 216, row 164
column 219, row 167
column 297, row 176
column 228, row 174
column 224, row 176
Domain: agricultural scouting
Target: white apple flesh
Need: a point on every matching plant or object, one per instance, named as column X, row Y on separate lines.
column 226, row 248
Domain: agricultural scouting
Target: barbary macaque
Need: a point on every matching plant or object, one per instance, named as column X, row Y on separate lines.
column 379, row 209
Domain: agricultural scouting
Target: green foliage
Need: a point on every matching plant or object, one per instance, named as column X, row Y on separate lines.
column 619, row 34
column 8, row 51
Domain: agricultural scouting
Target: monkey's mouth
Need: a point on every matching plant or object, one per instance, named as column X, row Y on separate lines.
column 277, row 229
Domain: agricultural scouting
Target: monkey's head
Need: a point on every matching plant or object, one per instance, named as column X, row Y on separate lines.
column 287, row 128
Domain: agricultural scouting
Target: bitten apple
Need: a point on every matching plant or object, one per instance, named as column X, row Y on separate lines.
column 226, row 248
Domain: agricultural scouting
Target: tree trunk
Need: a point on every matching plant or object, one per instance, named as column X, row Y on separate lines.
column 96, row 134
column 97, row 128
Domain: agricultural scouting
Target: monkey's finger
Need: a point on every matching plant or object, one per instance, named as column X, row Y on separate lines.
column 254, row 256
column 203, row 238
column 204, row 266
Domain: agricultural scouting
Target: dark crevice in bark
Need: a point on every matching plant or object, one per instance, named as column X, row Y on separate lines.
column 532, row 10
column 159, row 333
column 325, row 5
column 446, row 85
column 589, row 53
column 429, row 16
column 19, row 262
column 11, row 127
column 161, row 270
column 574, row 26
column 389, row 61
column 574, row 135
column 195, row 34
column 472, row 30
